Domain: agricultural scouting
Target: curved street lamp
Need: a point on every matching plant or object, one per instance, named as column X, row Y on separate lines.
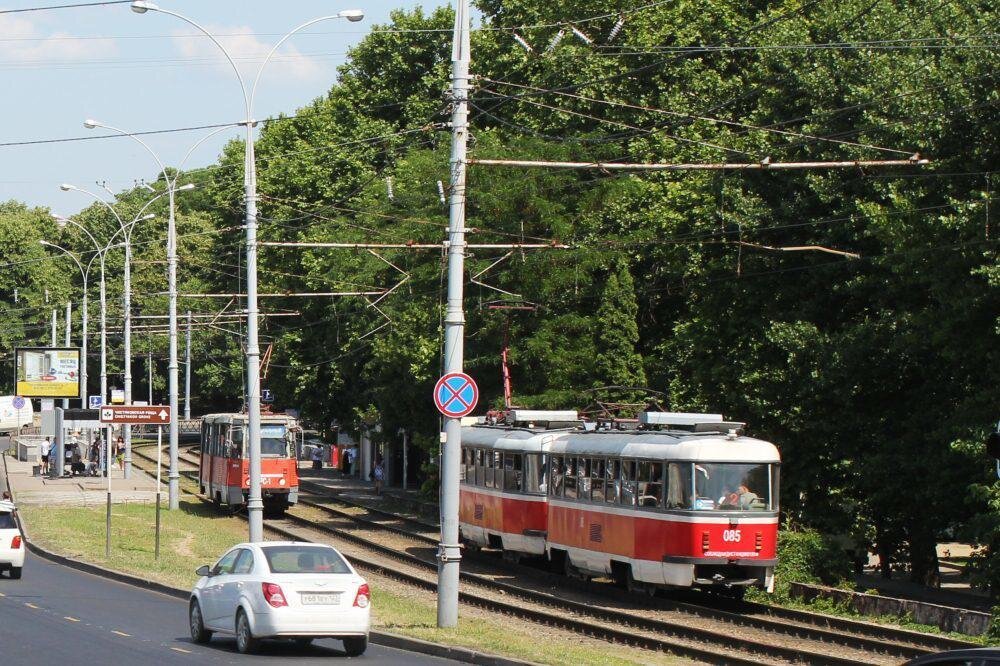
column 255, row 504
column 173, row 476
column 125, row 229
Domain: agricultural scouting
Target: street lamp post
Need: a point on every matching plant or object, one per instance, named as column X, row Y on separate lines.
column 173, row 476
column 255, row 504
column 126, row 231
column 84, row 273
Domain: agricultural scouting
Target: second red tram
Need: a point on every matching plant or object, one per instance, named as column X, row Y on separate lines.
column 682, row 500
column 224, row 471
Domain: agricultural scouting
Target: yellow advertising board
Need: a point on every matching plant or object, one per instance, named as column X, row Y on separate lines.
column 46, row 372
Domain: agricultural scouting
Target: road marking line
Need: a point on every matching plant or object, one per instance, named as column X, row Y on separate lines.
column 121, row 633
column 2, row 594
column 31, row 605
column 71, row 619
column 177, row 649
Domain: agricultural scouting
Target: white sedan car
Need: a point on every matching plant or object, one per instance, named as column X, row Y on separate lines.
column 281, row 589
column 11, row 543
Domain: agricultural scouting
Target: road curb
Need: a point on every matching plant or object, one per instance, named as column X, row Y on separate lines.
column 384, row 639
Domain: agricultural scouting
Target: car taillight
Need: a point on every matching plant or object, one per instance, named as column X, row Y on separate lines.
column 15, row 543
column 273, row 595
column 363, row 596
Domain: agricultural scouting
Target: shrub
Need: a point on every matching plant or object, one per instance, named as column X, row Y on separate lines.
column 808, row 557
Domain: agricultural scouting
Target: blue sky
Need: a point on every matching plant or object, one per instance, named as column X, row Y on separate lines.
column 150, row 72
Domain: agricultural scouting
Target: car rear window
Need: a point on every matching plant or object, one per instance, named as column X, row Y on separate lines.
column 304, row 559
column 7, row 521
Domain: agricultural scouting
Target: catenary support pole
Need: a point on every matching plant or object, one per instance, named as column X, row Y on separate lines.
column 67, row 337
column 449, row 552
column 55, row 318
column 187, row 371
column 255, row 501
column 127, row 302
column 173, row 475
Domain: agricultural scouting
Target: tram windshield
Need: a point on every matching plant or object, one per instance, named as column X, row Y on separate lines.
column 273, row 441
column 736, row 486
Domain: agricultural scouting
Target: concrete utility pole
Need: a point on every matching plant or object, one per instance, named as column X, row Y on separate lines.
column 187, row 372
column 149, row 368
column 55, row 318
column 449, row 553
column 69, row 326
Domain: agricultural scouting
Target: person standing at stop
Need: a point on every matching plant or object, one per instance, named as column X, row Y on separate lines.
column 46, row 449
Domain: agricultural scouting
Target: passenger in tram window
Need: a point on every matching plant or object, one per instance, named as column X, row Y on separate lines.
column 556, row 474
column 597, row 480
column 512, row 476
column 746, row 498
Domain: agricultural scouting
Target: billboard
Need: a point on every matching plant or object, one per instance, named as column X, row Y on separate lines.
column 47, row 372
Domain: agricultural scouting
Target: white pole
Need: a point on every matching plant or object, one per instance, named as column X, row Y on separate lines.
column 69, row 328
column 126, row 429
column 173, row 476
column 149, row 369
column 449, row 551
column 55, row 318
column 187, row 371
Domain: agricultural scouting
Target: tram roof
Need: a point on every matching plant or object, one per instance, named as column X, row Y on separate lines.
column 640, row 444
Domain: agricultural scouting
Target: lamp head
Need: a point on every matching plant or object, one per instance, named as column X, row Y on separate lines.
column 44, row 242
column 352, row 15
column 186, row 187
column 66, row 187
column 141, row 7
column 61, row 221
column 148, row 216
column 90, row 123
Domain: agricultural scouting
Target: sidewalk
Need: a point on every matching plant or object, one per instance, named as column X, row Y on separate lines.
column 78, row 490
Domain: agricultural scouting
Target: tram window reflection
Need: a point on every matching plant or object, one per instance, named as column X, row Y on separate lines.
column 613, row 481
column 597, row 480
column 569, row 479
column 628, row 483
column 556, row 476
column 734, row 486
column 678, row 490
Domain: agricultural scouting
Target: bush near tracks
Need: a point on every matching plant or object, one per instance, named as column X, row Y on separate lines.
column 807, row 556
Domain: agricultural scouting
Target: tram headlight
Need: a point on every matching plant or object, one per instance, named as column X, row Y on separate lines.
column 281, row 482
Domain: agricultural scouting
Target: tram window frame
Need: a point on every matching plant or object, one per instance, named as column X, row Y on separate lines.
column 628, row 487
column 677, row 484
column 513, row 473
column 463, row 467
column 569, row 478
column 583, row 479
column 612, row 476
column 488, row 465
column 480, row 468
column 597, row 479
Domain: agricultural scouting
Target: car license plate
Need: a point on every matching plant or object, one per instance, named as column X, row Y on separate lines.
column 320, row 598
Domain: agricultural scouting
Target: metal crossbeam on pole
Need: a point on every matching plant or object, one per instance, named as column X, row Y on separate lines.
column 421, row 246
column 764, row 165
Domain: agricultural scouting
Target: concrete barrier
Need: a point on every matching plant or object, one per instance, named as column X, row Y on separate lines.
column 947, row 618
column 29, row 448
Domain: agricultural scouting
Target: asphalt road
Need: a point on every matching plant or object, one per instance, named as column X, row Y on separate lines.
column 60, row 616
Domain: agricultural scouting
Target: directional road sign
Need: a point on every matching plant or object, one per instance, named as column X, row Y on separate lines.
column 456, row 395
column 95, row 401
column 136, row 415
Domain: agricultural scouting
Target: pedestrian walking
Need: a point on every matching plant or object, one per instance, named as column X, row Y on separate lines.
column 317, row 457
column 378, row 473
column 352, row 455
column 46, row 449
column 120, row 452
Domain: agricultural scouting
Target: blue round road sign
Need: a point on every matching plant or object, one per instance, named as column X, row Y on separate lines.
column 456, row 395
column 17, row 402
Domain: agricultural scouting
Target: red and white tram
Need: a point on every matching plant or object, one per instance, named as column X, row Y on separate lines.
column 224, row 465
column 682, row 500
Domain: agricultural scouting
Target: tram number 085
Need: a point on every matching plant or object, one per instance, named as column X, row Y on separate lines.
column 731, row 535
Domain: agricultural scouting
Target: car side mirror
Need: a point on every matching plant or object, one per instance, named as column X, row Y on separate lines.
column 203, row 570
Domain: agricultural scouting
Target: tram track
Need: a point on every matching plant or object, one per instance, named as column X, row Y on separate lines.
column 592, row 618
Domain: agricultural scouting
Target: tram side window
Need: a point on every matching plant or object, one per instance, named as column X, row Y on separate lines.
column 678, row 491
column 628, row 483
column 497, row 470
column 463, row 472
column 569, row 479
column 613, row 481
column 583, row 478
column 649, row 480
column 534, row 473
column 480, row 468
column 512, row 476
column 556, row 473
column 204, row 437
column 597, row 480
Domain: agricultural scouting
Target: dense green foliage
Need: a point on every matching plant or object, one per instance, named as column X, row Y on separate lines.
column 808, row 557
column 868, row 359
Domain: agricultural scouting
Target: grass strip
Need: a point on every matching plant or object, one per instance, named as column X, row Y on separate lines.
column 196, row 534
